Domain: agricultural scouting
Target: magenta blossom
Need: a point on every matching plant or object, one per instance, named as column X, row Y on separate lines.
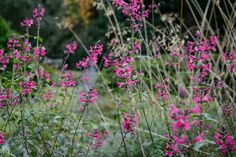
column 38, row 13
column 89, row 97
column 13, row 43
column 5, row 96
column 68, row 80
column 2, row 139
column 27, row 87
column 44, row 75
column 39, row 52
column 4, row 60
column 26, row 45
column 226, row 142
column 71, row 48
column 97, row 138
column 92, row 59
column 199, row 138
column 182, row 119
column 174, row 145
column 130, row 122
column 26, row 23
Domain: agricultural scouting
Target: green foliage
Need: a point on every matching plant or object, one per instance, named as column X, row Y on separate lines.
column 5, row 32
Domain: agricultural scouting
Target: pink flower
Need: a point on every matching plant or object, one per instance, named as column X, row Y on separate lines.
column 174, row 111
column 98, row 139
column 71, row 48
column 181, row 123
column 206, row 98
column 182, row 120
column 124, row 70
column 27, row 87
column 130, row 122
column 199, row 138
column 38, row 13
column 134, row 10
column 197, row 109
column 48, row 95
column 118, row 3
column 174, row 145
column 26, row 23
column 26, row 45
column 44, row 75
column 92, row 59
column 107, row 59
column 163, row 90
column 68, row 80
column 87, row 98
column 5, row 95
column 39, row 52
column 13, row 43
column 226, row 142
column 4, row 60
column 2, row 139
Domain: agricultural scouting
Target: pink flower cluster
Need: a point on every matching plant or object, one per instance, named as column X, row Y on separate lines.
column 98, row 139
column 87, row 98
column 39, row 52
column 49, row 95
column 26, row 23
column 71, row 48
column 92, row 59
column 27, row 87
column 19, row 51
column 38, row 13
column 134, row 10
column 45, row 75
column 202, row 95
column 68, row 80
column 174, row 145
column 4, row 60
column 182, row 119
column 226, row 142
column 5, row 95
column 2, row 139
column 8, row 98
column 124, row 70
column 107, row 60
column 13, row 43
column 227, row 110
column 130, row 122
column 199, row 57
column 230, row 60
column 162, row 90
column 26, row 47
column 182, row 122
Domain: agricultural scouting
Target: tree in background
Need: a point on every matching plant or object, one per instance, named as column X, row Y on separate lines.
column 79, row 11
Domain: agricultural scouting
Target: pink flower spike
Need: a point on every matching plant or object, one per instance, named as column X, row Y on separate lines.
column 174, row 110
column 26, row 23
column 130, row 122
column 71, row 48
column 197, row 109
column 199, row 138
column 38, row 13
